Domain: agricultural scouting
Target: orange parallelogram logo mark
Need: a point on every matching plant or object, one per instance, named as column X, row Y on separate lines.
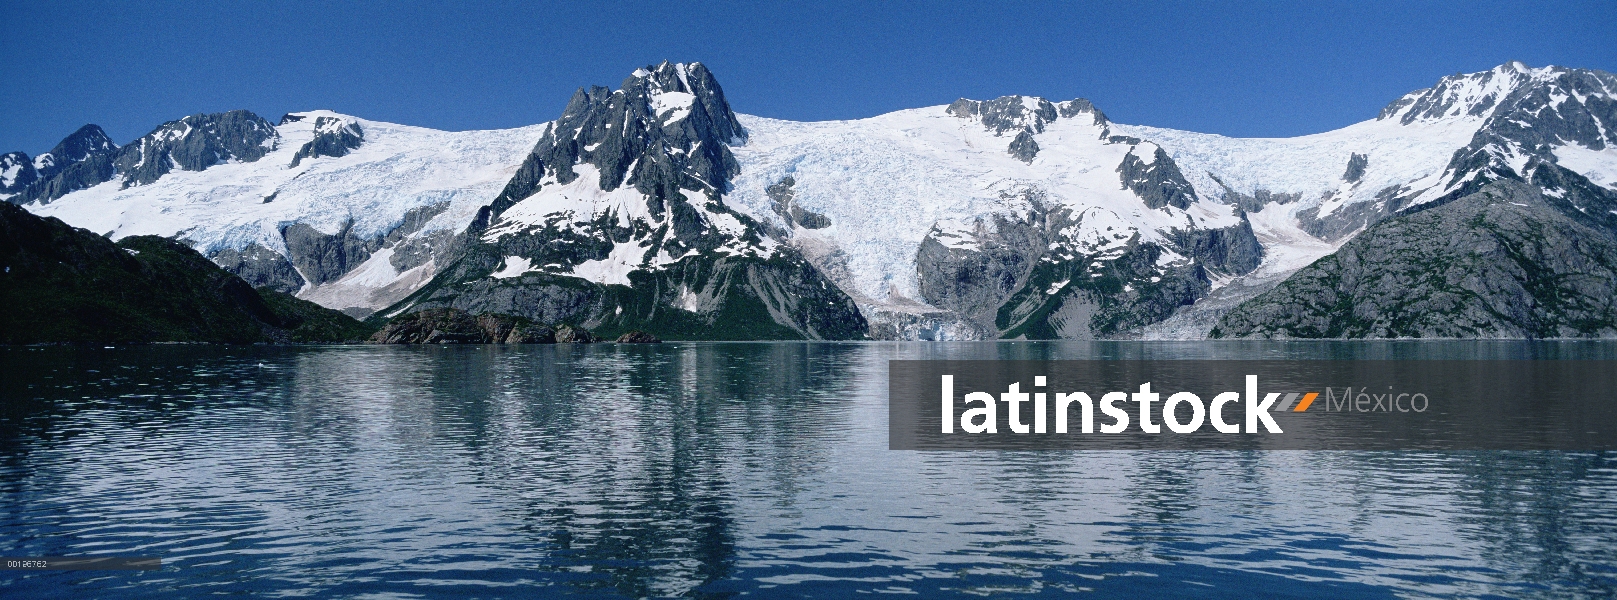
column 1307, row 400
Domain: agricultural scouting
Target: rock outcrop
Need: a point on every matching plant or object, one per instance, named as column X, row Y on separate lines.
column 450, row 326
column 332, row 137
column 16, row 173
column 638, row 337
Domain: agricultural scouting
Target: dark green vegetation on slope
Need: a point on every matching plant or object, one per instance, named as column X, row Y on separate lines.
column 62, row 284
column 1506, row 262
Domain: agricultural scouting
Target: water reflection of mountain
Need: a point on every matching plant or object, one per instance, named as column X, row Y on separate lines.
column 712, row 469
column 619, row 463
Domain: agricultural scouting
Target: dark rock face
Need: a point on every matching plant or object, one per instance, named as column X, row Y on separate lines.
column 195, row 143
column 1255, row 201
column 1231, row 250
column 414, row 252
column 1088, row 297
column 1020, row 113
column 1007, row 113
column 1023, row 147
column 796, row 216
column 1439, row 100
column 62, row 284
column 450, row 326
column 726, row 298
column 79, row 161
column 1080, row 106
column 81, row 145
column 1532, row 120
column 541, row 299
column 260, row 267
column 1355, row 167
column 1529, row 120
column 323, row 257
column 1159, row 183
column 16, row 172
column 332, row 137
column 1351, row 218
column 1506, row 262
column 670, row 123
column 77, row 176
column 638, row 337
column 328, row 257
column 975, row 281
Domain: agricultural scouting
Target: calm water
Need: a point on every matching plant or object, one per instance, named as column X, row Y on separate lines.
column 720, row 470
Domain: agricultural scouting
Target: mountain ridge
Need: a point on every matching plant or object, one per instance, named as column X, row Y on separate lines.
column 958, row 221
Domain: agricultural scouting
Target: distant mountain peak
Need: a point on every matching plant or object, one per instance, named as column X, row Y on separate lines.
column 1468, row 95
column 16, row 172
column 88, row 157
column 1008, row 114
column 668, row 128
column 334, row 135
column 195, row 143
column 87, row 141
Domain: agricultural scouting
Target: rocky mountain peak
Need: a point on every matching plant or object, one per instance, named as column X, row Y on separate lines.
column 674, row 91
column 89, row 140
column 88, row 157
column 16, row 172
column 1030, row 114
column 333, row 136
column 1527, row 122
column 1532, row 127
column 195, row 143
column 1467, row 95
column 666, row 129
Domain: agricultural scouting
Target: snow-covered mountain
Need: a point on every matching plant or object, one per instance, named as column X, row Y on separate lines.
column 1552, row 126
column 980, row 218
column 656, row 206
column 343, row 211
column 617, row 220
column 81, row 155
column 1429, row 145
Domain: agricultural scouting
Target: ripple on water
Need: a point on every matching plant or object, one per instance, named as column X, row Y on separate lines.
column 716, row 469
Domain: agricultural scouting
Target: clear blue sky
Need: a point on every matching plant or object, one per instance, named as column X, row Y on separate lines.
column 1242, row 69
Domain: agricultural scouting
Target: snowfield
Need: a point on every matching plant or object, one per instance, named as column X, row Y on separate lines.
column 1312, row 166
column 396, row 169
column 231, row 206
column 885, row 182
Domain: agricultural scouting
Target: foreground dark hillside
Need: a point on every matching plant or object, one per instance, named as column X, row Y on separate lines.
column 63, row 284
